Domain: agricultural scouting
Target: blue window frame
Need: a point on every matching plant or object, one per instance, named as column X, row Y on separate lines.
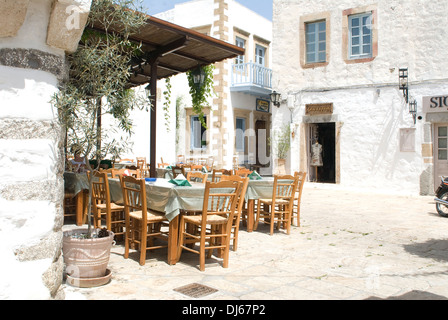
column 360, row 36
column 316, row 42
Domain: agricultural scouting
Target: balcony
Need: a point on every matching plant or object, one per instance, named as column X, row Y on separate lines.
column 251, row 78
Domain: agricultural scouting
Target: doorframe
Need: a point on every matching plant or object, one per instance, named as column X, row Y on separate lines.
column 435, row 155
column 304, row 149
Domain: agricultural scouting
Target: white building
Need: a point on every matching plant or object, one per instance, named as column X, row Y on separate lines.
column 232, row 115
column 336, row 64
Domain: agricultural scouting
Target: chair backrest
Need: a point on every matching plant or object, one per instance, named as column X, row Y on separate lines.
column 284, row 188
column 244, row 183
column 220, row 199
column 196, row 167
column 180, row 158
column 116, row 173
column 141, row 163
column 194, row 175
column 162, row 164
column 100, row 189
column 217, row 177
column 243, row 172
column 134, row 195
column 301, row 182
column 177, row 170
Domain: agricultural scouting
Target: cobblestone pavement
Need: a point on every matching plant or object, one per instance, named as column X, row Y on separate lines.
column 350, row 246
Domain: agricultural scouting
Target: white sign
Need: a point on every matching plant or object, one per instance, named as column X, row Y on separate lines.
column 435, row 104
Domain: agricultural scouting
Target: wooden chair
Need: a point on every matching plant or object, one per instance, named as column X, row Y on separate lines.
column 69, row 205
column 217, row 214
column 177, row 170
column 239, row 206
column 142, row 225
column 196, row 167
column 143, row 166
column 162, row 164
column 278, row 209
column 217, row 177
column 298, row 197
column 103, row 207
column 116, row 173
column 243, row 172
column 193, row 176
column 180, row 159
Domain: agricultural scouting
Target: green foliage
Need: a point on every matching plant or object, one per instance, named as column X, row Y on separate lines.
column 282, row 142
column 98, row 82
column 98, row 78
column 200, row 94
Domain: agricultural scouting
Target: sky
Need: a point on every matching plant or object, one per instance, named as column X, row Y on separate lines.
column 262, row 7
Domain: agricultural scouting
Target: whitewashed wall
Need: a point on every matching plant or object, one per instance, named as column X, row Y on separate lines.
column 365, row 96
column 31, row 162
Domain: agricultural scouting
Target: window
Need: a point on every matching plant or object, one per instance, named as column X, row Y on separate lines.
column 240, row 126
column 360, row 36
column 316, row 46
column 260, row 53
column 315, row 39
column 198, row 139
column 242, row 44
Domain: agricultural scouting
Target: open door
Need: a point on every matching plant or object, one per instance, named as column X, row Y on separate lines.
column 322, row 160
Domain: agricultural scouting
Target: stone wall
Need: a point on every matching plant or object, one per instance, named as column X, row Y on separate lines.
column 32, row 64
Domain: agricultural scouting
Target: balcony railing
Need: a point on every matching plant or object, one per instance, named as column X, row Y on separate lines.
column 251, row 74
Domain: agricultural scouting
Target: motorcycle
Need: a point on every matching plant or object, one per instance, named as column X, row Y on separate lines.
column 442, row 198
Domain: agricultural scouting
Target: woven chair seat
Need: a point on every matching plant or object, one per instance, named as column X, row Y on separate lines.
column 277, row 201
column 113, row 206
column 151, row 216
column 211, row 219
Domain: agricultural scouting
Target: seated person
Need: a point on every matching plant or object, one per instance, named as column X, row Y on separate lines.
column 78, row 162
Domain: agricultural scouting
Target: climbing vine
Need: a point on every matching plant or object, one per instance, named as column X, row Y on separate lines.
column 166, row 104
column 200, row 93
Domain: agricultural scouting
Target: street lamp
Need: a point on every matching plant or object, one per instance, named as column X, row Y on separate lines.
column 198, row 76
column 275, row 98
column 403, row 82
column 413, row 109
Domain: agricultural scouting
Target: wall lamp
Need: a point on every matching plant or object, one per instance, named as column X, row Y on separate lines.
column 275, row 98
column 403, row 82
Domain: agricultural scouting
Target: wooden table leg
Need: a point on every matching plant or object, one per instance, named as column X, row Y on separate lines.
column 250, row 215
column 79, row 198
column 173, row 240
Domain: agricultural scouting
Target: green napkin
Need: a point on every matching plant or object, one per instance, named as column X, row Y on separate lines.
column 180, row 182
column 168, row 167
column 254, row 176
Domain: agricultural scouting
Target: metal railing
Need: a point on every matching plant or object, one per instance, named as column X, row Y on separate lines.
column 251, row 74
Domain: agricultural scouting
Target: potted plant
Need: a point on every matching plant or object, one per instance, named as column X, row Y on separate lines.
column 97, row 82
column 282, row 144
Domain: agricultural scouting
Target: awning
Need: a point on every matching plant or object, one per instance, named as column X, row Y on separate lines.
column 176, row 49
column 169, row 49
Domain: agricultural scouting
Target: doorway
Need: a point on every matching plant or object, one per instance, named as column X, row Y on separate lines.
column 440, row 152
column 324, row 134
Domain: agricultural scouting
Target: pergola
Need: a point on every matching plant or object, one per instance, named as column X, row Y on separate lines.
column 170, row 49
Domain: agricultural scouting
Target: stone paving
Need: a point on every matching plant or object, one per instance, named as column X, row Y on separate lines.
column 350, row 246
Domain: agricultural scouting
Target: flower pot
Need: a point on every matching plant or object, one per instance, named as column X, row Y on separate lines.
column 281, row 167
column 86, row 258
